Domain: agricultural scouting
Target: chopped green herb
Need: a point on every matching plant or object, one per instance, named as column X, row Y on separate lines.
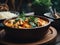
column 22, row 15
column 32, row 18
column 32, row 24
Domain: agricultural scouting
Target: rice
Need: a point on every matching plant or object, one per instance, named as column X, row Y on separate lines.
column 7, row 15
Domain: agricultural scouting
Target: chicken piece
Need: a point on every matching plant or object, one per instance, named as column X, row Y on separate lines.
column 20, row 27
column 21, row 22
column 41, row 22
column 26, row 25
column 9, row 24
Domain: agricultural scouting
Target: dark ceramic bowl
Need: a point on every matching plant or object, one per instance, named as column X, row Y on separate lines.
column 56, row 21
column 25, row 35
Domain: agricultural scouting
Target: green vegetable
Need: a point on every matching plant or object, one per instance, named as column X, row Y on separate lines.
column 33, row 21
column 36, row 2
column 32, row 18
column 42, row 2
column 36, row 20
column 22, row 15
column 32, row 24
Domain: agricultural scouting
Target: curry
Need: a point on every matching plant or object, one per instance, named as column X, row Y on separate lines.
column 26, row 22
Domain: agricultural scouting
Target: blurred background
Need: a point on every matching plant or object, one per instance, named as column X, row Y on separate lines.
column 28, row 5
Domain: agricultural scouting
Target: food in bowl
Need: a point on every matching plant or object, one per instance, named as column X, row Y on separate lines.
column 26, row 28
column 26, row 22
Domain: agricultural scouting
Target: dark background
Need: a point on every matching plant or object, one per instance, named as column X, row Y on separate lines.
column 24, row 4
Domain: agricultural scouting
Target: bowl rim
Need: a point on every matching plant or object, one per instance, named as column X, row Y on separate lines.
column 49, row 22
column 51, row 17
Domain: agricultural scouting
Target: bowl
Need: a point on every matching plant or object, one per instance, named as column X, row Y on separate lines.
column 56, row 21
column 27, row 34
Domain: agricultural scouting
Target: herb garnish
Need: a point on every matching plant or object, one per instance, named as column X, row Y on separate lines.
column 20, row 17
